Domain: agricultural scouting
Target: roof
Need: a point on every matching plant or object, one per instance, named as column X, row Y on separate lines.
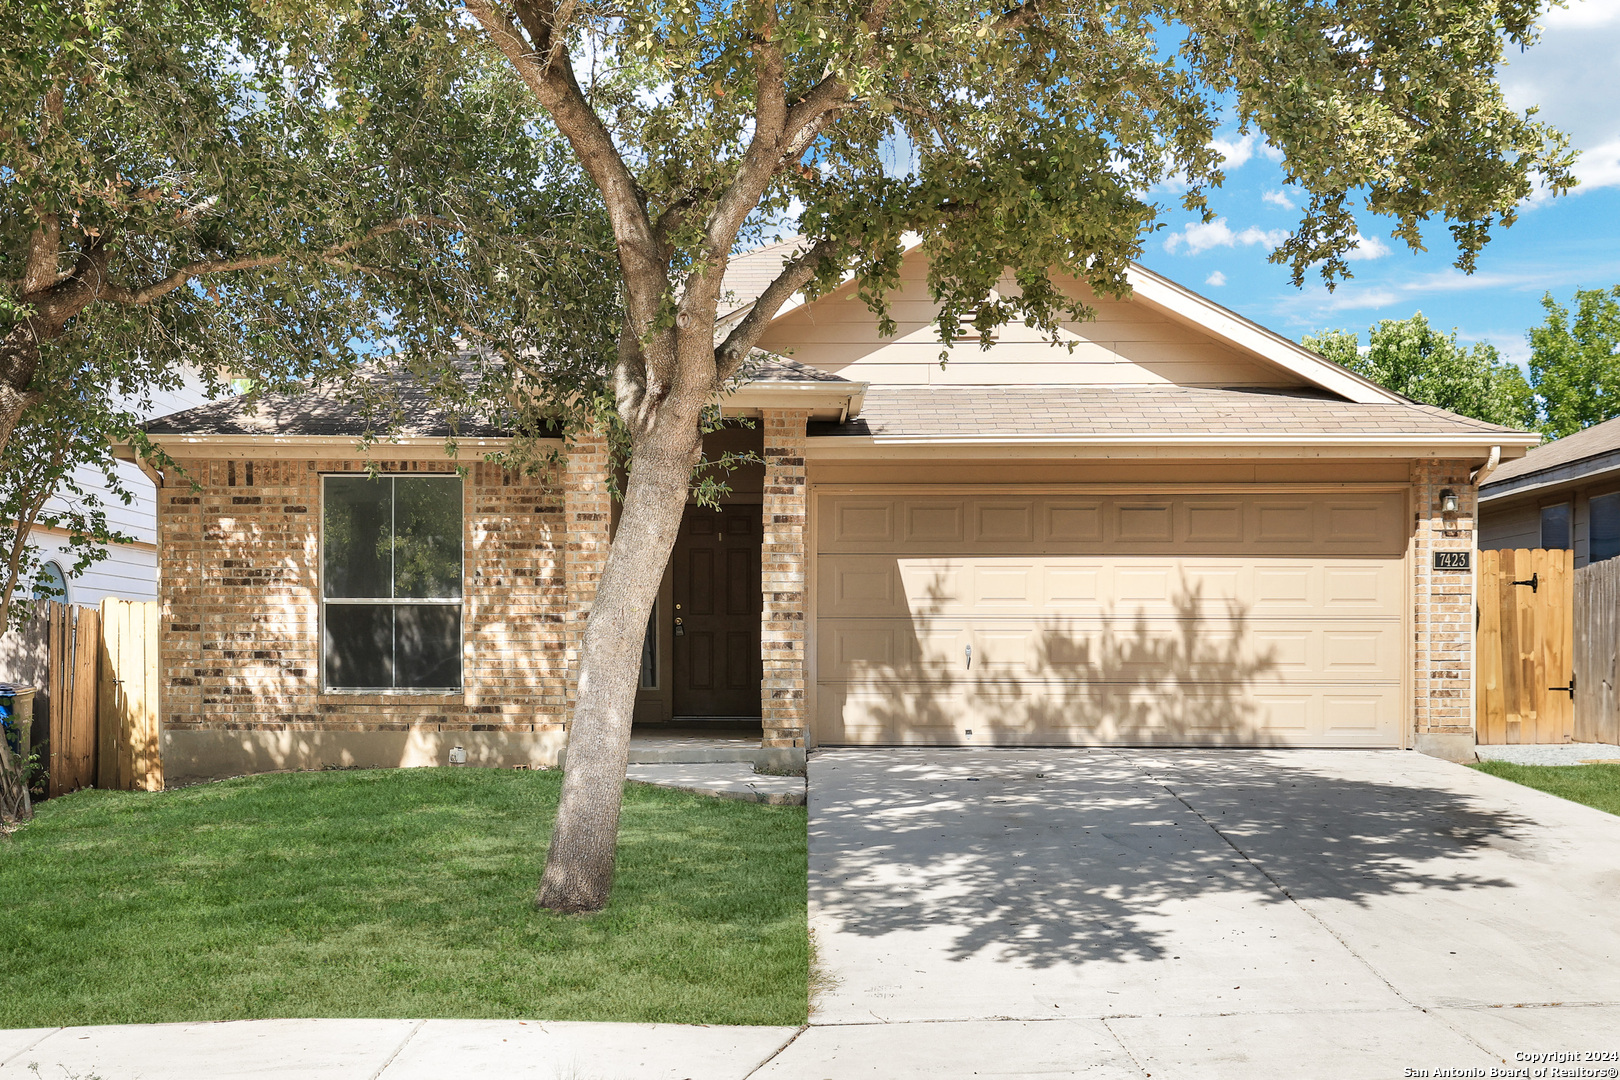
column 750, row 273
column 376, row 402
column 365, row 403
column 1595, row 441
column 1090, row 412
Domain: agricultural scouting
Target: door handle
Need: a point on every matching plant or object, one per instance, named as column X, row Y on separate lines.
column 967, row 650
column 1570, row 688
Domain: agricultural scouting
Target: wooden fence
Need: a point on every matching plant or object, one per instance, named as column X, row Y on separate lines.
column 101, row 677
column 1525, row 647
column 1597, row 645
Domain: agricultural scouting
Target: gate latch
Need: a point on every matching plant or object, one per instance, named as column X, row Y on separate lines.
column 1534, row 580
column 1570, row 688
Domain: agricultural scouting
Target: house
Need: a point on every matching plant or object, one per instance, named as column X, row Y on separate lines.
column 1565, row 494
column 1187, row 530
column 129, row 571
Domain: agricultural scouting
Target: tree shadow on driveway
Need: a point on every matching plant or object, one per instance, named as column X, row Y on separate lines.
column 1062, row 857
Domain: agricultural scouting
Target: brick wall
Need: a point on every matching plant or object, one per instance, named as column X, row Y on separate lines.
column 588, row 511
column 1443, row 603
column 240, row 617
column 782, row 569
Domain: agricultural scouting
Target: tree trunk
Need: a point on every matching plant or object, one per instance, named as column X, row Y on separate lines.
column 579, row 867
column 19, row 356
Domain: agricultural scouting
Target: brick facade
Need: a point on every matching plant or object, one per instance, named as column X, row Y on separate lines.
column 782, row 570
column 240, row 613
column 1442, row 604
column 588, row 511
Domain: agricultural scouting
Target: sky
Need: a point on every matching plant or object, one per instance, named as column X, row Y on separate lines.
column 1557, row 245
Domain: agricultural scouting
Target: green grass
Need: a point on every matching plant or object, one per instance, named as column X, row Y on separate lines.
column 1594, row 785
column 395, row 894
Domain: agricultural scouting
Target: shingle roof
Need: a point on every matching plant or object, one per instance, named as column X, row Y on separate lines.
column 364, row 403
column 374, row 402
column 1596, row 440
column 1103, row 410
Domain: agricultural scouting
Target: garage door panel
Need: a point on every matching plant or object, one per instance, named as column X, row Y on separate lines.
column 1018, row 645
column 1007, row 712
column 1254, row 525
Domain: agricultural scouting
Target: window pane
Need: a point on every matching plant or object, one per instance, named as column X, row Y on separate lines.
column 1605, row 528
column 359, row 646
column 1555, row 526
column 428, row 639
column 427, row 536
column 356, row 537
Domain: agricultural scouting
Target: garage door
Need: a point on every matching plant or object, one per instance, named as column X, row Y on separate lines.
column 1252, row 620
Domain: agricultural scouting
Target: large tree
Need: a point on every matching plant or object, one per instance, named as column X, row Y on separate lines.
column 265, row 192
column 1017, row 137
column 1575, row 362
column 1413, row 358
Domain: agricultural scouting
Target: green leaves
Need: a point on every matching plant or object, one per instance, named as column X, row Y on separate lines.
column 1575, row 363
column 1412, row 358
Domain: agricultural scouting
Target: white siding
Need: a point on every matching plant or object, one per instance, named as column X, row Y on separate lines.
column 129, row 573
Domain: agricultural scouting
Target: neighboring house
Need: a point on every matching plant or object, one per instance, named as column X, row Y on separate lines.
column 1565, row 494
column 1187, row 530
column 130, row 570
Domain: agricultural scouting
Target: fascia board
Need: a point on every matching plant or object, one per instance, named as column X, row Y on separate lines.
column 834, row 398
column 1234, row 329
column 1162, row 446
column 308, row 446
column 1574, row 474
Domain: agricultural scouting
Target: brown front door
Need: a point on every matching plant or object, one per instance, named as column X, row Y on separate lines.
column 717, row 612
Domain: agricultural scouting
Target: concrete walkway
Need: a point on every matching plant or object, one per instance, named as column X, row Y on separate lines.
column 1068, row 913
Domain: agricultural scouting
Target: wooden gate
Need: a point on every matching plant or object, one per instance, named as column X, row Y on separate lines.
column 1525, row 685
column 1597, row 652
column 102, row 674
column 129, row 758
column 75, row 641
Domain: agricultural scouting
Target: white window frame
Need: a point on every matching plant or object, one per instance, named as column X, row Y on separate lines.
column 459, row 602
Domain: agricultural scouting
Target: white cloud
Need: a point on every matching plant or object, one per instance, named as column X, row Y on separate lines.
column 1366, row 249
column 1582, row 15
column 1216, row 279
column 1599, row 166
column 1236, row 150
column 1278, row 198
column 1199, row 237
column 1571, row 75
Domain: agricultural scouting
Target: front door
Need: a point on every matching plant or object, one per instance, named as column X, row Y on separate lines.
column 717, row 612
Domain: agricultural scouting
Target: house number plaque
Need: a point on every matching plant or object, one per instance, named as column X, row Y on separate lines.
column 1452, row 560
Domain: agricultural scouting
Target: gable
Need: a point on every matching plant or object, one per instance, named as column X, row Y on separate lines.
column 1139, row 341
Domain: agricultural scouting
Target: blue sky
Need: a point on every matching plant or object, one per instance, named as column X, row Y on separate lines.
column 1557, row 246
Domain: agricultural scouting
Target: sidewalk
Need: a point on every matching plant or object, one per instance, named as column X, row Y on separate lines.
column 390, row 1050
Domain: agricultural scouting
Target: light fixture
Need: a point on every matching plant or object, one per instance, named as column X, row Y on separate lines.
column 1448, row 502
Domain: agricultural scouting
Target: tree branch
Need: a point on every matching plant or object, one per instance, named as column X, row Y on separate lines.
column 551, row 80
column 145, row 294
column 794, row 276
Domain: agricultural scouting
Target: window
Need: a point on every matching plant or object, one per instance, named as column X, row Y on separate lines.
column 1604, row 527
column 1555, row 526
column 391, row 566
column 51, row 584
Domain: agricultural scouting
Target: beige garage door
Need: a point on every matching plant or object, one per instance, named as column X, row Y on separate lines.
column 1270, row 619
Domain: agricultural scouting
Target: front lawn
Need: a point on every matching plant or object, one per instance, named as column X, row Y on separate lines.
column 394, row 894
column 1594, row 785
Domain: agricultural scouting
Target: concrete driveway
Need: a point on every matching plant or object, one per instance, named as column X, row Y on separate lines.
column 1202, row 914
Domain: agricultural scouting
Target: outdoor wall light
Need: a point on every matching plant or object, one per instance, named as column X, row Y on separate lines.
column 1448, row 502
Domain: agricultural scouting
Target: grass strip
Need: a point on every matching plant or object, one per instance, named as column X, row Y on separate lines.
column 1593, row 785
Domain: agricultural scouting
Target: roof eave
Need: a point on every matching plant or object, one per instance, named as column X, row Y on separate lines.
column 1162, row 446
column 271, row 445
column 822, row 400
